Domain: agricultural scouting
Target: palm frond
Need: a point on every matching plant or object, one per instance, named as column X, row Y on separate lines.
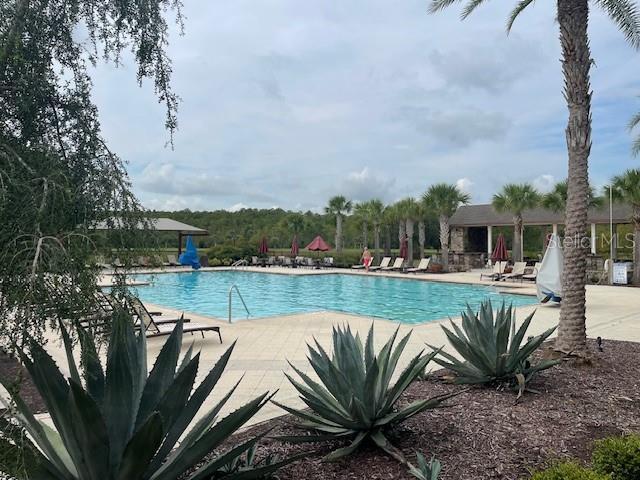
column 635, row 122
column 470, row 7
column 438, row 5
column 517, row 10
column 626, row 15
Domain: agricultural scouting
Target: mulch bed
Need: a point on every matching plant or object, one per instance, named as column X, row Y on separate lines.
column 484, row 433
column 12, row 372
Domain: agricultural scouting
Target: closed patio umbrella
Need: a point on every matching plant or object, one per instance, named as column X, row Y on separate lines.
column 263, row 248
column 500, row 253
column 294, row 246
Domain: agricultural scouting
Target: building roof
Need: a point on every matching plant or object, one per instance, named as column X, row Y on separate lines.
column 485, row 215
column 161, row 225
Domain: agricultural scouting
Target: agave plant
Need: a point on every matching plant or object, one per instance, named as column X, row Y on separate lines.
column 425, row 470
column 122, row 423
column 355, row 400
column 491, row 354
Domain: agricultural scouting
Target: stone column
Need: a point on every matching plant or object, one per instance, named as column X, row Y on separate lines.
column 593, row 238
column 555, row 228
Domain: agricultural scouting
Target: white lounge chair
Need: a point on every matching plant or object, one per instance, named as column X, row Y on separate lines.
column 517, row 272
column 397, row 264
column 497, row 272
column 423, row 266
column 384, row 263
column 534, row 274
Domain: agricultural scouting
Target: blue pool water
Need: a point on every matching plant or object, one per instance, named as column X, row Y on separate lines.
column 406, row 301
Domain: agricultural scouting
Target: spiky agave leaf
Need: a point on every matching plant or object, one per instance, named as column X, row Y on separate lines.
column 488, row 353
column 354, row 399
column 123, row 423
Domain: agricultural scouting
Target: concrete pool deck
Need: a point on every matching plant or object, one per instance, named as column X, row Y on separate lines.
column 265, row 345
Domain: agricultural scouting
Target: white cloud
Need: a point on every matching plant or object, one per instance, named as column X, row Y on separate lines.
column 464, row 185
column 362, row 185
column 544, row 183
column 237, row 207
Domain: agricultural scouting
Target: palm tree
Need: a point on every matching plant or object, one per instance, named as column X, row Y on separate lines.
column 556, row 199
column 388, row 221
column 408, row 213
column 338, row 207
column 376, row 209
column 516, row 198
column 361, row 212
column 296, row 222
column 635, row 122
column 573, row 19
column 444, row 199
column 422, row 231
column 626, row 188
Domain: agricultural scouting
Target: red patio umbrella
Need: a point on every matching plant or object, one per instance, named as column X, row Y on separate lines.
column 404, row 247
column 263, row 248
column 294, row 246
column 500, row 253
column 318, row 245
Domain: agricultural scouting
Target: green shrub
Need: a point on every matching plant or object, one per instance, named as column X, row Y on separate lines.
column 355, row 400
column 618, row 456
column 215, row 262
column 122, row 422
column 489, row 354
column 240, row 250
column 568, row 471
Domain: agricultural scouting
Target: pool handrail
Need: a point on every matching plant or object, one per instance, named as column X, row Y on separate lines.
column 242, row 299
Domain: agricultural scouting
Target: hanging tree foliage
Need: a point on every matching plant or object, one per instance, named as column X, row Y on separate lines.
column 58, row 178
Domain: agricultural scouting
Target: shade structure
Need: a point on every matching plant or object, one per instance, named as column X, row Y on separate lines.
column 318, row 245
column 190, row 255
column 263, row 248
column 404, row 247
column 294, row 246
column 500, row 253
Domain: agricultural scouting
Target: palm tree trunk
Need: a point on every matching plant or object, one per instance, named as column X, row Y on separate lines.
column 573, row 18
column 636, row 245
column 517, row 238
column 376, row 241
column 338, row 233
column 365, row 236
column 421, row 237
column 444, row 241
column 409, row 259
column 387, row 240
column 401, row 230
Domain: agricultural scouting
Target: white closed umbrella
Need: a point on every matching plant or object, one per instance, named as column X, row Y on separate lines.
column 549, row 279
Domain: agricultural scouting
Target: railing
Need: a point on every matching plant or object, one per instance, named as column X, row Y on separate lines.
column 241, row 299
column 239, row 263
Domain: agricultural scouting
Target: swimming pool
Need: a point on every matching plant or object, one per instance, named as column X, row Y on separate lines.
column 406, row 301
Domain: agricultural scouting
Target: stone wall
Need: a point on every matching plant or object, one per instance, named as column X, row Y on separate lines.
column 457, row 240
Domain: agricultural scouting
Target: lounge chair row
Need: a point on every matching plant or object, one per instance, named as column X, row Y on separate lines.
column 518, row 272
column 299, row 261
column 141, row 261
column 143, row 318
column 398, row 264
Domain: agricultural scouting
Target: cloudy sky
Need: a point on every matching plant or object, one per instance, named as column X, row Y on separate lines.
column 286, row 103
